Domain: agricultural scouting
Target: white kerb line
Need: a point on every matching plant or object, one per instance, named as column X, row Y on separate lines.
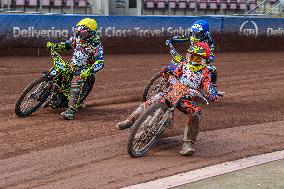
column 207, row 172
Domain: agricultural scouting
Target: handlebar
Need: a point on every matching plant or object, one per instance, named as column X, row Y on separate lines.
column 197, row 93
column 59, row 60
column 192, row 93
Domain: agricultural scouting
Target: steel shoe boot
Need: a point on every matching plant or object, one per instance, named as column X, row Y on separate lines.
column 131, row 119
column 68, row 114
column 124, row 124
column 186, row 149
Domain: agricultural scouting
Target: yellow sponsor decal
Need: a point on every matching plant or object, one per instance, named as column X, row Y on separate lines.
column 195, row 68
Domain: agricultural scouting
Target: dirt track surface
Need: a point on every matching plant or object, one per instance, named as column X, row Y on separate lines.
column 45, row 151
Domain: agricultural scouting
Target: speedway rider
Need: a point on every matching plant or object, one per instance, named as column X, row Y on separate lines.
column 193, row 74
column 199, row 32
column 87, row 59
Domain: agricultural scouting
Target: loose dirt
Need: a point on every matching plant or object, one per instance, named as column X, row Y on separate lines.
column 45, row 151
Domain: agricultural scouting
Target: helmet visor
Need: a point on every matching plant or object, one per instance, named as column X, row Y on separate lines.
column 196, row 34
column 82, row 32
column 194, row 39
column 196, row 59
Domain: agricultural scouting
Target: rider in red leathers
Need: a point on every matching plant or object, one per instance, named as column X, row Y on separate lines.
column 193, row 74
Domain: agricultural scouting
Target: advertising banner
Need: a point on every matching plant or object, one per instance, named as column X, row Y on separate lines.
column 29, row 30
column 35, row 30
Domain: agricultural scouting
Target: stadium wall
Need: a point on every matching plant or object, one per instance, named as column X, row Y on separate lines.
column 138, row 34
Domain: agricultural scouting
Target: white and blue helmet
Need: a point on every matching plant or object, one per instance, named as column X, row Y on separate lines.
column 200, row 27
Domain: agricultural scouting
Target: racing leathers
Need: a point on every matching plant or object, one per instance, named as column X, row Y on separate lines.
column 195, row 77
column 87, row 59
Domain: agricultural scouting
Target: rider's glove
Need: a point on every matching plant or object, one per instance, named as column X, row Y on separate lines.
column 220, row 93
column 85, row 74
column 216, row 98
column 56, row 46
column 49, row 45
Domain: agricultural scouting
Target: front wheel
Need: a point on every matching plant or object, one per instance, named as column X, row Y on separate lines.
column 147, row 129
column 32, row 97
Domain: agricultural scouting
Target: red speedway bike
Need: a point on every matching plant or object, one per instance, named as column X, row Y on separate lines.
column 157, row 117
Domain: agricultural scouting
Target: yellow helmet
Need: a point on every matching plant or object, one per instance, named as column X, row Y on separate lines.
column 88, row 22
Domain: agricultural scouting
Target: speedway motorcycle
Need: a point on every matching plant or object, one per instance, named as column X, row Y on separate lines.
column 162, row 100
column 158, row 82
column 158, row 116
column 52, row 89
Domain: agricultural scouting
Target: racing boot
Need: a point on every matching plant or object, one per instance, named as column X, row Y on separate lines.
column 186, row 149
column 68, row 114
column 125, row 124
column 189, row 136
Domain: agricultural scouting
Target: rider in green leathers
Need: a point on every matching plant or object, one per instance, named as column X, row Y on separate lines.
column 87, row 59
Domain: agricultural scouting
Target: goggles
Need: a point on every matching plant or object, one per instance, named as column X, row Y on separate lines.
column 82, row 32
column 196, row 59
column 196, row 37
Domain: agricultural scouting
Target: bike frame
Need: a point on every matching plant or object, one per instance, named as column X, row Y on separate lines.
column 178, row 93
column 172, row 105
column 61, row 73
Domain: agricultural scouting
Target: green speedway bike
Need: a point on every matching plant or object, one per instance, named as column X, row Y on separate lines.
column 52, row 89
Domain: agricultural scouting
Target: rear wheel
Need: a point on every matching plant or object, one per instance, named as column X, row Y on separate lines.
column 87, row 88
column 32, row 97
column 214, row 76
column 155, row 85
column 146, row 130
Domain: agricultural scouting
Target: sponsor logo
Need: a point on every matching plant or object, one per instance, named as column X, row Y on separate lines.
column 32, row 32
column 275, row 32
column 113, row 32
column 53, row 73
column 249, row 28
column 141, row 32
